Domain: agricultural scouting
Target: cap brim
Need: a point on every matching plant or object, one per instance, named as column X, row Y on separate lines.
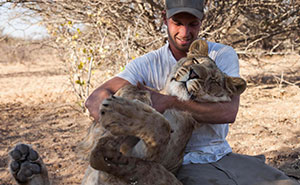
column 192, row 11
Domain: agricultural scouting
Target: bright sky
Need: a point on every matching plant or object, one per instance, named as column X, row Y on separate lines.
column 19, row 23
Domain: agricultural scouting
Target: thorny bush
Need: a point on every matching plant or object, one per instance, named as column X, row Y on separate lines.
column 107, row 34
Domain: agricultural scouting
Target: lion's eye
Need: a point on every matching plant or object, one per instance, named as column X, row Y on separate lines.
column 195, row 61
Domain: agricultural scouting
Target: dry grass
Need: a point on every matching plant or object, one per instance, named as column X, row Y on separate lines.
column 38, row 106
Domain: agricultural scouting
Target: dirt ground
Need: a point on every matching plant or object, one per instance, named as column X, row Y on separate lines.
column 38, row 107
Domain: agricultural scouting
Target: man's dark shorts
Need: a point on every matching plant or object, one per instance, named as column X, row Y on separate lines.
column 233, row 169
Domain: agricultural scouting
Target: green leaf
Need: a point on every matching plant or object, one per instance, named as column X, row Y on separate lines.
column 80, row 66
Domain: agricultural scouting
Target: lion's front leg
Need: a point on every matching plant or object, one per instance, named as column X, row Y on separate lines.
column 106, row 156
column 27, row 167
column 126, row 117
column 130, row 170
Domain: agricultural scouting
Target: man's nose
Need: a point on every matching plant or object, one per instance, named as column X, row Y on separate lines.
column 184, row 31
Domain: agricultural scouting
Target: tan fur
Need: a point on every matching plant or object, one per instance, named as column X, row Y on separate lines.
column 194, row 77
column 134, row 144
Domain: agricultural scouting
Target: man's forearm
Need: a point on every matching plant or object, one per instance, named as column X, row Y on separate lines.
column 214, row 113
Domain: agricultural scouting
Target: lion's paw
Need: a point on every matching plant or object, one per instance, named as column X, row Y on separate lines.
column 132, row 117
column 124, row 117
column 26, row 165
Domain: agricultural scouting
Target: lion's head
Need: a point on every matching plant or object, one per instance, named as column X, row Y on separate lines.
column 198, row 78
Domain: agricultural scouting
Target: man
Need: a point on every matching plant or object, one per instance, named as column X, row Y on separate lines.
column 209, row 158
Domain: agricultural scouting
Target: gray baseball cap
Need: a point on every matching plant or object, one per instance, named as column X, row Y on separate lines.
column 194, row 7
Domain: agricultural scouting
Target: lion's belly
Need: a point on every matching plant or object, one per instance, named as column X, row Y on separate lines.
column 182, row 127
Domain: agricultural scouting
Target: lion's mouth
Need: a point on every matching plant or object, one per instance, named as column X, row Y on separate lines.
column 193, row 75
column 183, row 86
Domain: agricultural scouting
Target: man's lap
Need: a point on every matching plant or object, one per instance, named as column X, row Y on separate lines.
column 233, row 169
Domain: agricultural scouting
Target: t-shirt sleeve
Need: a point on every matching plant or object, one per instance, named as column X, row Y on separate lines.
column 150, row 69
column 133, row 72
column 228, row 62
column 130, row 73
column 142, row 69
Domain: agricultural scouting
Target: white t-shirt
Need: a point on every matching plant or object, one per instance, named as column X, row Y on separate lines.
column 207, row 143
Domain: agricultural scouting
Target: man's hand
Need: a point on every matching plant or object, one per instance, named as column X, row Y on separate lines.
column 160, row 102
column 93, row 102
column 104, row 91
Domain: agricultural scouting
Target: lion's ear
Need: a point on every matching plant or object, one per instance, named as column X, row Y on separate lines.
column 235, row 85
column 199, row 47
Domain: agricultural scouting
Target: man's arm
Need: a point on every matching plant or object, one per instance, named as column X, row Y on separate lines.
column 104, row 91
column 214, row 113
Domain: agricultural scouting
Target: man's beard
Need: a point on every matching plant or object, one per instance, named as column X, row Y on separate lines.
column 178, row 47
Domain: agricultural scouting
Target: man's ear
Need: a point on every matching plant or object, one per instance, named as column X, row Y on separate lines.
column 199, row 47
column 235, row 85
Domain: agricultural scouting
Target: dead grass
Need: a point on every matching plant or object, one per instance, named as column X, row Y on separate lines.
column 38, row 106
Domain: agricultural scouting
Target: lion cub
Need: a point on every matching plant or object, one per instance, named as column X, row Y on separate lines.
column 145, row 146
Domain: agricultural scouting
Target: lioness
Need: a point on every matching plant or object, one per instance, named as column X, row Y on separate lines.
column 134, row 144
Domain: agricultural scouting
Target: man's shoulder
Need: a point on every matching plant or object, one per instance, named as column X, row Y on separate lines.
column 158, row 52
column 154, row 55
column 225, row 57
column 216, row 50
column 215, row 46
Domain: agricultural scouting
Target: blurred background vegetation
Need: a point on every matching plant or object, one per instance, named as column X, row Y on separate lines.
column 99, row 37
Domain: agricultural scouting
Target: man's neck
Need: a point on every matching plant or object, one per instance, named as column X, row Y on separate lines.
column 177, row 53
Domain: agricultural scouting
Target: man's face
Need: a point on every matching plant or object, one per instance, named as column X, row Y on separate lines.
column 183, row 29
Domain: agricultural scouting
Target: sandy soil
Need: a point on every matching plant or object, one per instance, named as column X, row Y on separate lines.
column 37, row 106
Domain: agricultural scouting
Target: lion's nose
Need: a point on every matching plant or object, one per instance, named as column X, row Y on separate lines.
column 192, row 74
